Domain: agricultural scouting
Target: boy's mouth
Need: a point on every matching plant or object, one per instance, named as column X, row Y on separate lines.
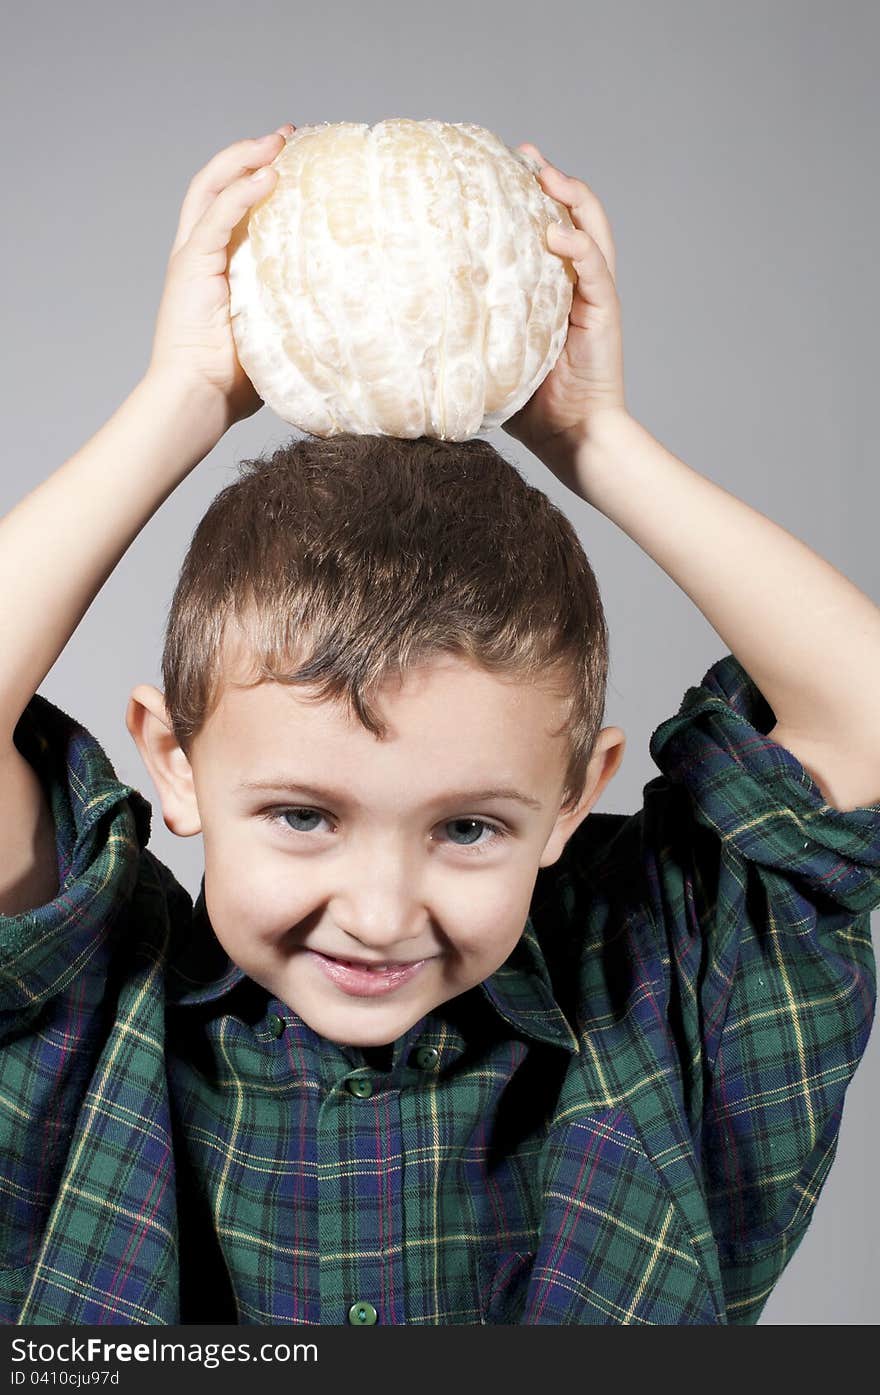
column 368, row 963
column 364, row 979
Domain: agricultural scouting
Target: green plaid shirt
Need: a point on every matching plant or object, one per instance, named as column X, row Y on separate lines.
column 630, row 1121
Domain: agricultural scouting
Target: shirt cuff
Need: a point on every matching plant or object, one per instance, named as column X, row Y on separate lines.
column 101, row 826
column 758, row 797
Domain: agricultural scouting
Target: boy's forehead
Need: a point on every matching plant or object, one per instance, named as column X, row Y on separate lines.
column 440, row 675
column 437, row 684
column 444, row 705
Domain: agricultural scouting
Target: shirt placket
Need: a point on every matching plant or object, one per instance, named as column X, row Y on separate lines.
column 360, row 1179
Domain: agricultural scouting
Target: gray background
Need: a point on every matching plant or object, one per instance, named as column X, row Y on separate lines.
column 732, row 149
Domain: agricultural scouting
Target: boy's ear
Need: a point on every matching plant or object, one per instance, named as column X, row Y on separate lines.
column 604, row 763
column 147, row 720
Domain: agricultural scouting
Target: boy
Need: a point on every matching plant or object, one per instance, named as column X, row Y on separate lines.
column 432, row 1046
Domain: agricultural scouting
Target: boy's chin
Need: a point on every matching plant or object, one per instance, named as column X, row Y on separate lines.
column 382, row 1026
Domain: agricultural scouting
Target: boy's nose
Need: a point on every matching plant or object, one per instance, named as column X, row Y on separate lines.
column 387, row 925
column 381, row 907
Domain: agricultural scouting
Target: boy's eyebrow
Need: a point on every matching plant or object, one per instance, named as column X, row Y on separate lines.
column 463, row 796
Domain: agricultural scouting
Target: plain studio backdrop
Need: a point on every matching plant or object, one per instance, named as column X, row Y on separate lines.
column 732, row 149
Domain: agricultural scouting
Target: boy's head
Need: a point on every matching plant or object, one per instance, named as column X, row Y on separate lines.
column 371, row 640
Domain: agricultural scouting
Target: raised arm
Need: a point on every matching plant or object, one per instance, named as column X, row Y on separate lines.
column 808, row 638
column 806, row 635
column 61, row 542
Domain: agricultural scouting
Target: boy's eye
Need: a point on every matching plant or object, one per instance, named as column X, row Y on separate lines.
column 469, row 828
column 462, row 832
column 304, row 814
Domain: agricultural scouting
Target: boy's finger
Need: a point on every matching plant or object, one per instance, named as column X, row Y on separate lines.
column 533, row 151
column 584, row 207
column 213, row 230
column 226, row 166
column 596, row 290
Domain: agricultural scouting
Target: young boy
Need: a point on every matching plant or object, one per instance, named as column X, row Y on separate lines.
column 432, row 1046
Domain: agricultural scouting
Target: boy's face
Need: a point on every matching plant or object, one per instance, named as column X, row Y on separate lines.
column 324, row 844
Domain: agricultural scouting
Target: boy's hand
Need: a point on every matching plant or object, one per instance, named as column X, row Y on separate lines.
column 588, row 375
column 193, row 344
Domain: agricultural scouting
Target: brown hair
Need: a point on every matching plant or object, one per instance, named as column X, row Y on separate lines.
column 363, row 555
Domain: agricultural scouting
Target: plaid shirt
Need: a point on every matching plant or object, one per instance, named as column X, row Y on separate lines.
column 630, row 1121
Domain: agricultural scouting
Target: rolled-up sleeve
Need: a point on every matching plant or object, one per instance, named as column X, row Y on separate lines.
column 761, row 893
column 101, row 825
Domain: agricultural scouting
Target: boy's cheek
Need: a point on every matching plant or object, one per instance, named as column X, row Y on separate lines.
column 245, row 920
column 261, row 910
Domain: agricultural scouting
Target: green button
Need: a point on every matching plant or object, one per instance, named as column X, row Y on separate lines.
column 426, row 1057
column 275, row 1024
column 360, row 1086
column 362, row 1315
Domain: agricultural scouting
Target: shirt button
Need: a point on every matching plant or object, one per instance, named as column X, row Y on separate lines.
column 362, row 1315
column 426, row 1057
column 275, row 1024
column 362, row 1087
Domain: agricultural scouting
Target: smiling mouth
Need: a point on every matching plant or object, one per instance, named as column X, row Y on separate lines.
column 366, row 980
column 368, row 964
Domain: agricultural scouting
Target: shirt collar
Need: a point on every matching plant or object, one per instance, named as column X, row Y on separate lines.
column 199, row 969
column 520, row 991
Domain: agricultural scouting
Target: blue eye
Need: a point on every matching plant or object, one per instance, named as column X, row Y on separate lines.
column 307, row 821
column 284, row 814
column 473, row 827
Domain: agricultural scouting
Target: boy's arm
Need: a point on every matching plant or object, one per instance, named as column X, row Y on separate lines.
column 60, row 543
column 808, row 637
column 58, row 546
column 28, row 873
